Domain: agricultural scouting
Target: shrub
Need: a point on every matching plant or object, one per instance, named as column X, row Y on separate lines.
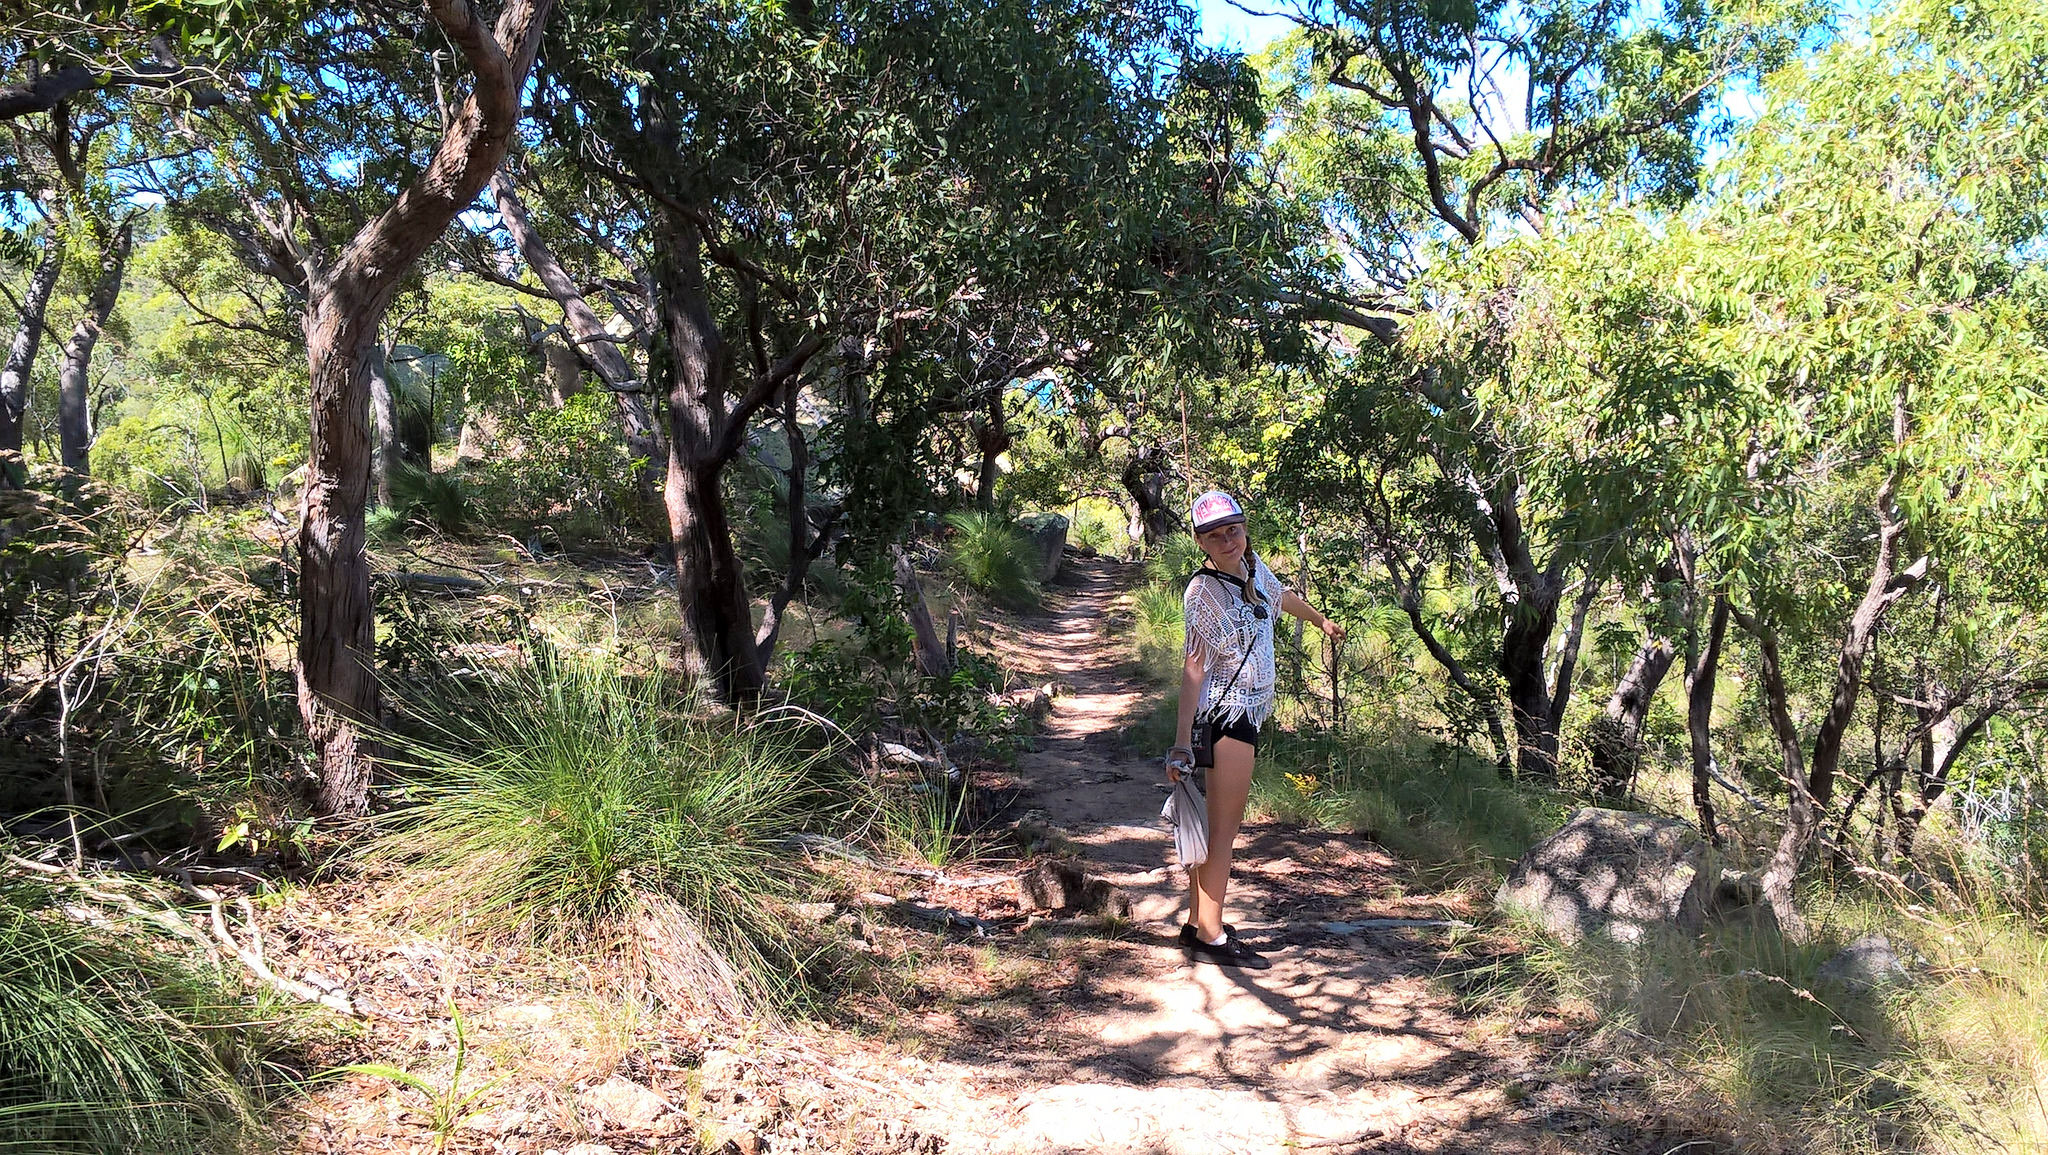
column 557, row 802
column 1100, row 525
column 1158, row 630
column 440, row 501
column 1169, row 563
column 990, row 555
column 104, row 1045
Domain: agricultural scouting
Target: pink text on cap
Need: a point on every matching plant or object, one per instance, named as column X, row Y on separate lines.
column 1213, row 507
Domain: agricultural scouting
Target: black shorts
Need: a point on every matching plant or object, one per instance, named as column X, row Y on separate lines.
column 1242, row 729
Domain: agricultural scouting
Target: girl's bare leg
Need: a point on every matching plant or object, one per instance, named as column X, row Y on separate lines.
column 1230, row 784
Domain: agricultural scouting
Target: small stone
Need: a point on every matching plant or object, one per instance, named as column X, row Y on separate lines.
column 528, row 1015
column 624, row 1104
column 813, row 911
column 1054, row 885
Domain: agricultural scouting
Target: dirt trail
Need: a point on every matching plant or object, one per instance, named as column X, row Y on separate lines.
column 1344, row 1045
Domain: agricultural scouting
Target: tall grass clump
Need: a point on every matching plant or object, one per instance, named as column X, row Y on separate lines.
column 572, row 803
column 1952, row 1056
column 1158, row 629
column 439, row 501
column 105, row 1044
column 1169, row 562
column 1427, row 800
column 990, row 555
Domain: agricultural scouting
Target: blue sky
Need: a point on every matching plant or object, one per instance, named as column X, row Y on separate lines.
column 1227, row 26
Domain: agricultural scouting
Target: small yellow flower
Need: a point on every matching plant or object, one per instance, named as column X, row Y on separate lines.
column 1304, row 784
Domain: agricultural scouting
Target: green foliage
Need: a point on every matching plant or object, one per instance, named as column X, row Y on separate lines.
column 1429, row 801
column 198, row 719
column 566, row 470
column 1097, row 524
column 993, row 557
column 107, row 1045
column 59, row 555
column 1170, row 563
column 1160, row 632
column 552, row 798
column 440, row 501
column 448, row 1105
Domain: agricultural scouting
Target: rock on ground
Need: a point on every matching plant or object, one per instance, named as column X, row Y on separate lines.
column 1047, row 533
column 1868, row 962
column 1613, row 872
column 625, row 1104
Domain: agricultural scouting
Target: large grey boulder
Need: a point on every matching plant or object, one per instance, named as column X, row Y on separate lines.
column 1612, row 872
column 1866, row 964
column 1047, row 533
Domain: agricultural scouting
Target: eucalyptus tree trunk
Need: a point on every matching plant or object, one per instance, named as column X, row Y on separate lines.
column 346, row 302
column 587, row 335
column 21, row 353
column 691, row 361
column 1145, row 478
column 74, row 386
column 1811, row 785
column 992, row 440
column 1700, row 676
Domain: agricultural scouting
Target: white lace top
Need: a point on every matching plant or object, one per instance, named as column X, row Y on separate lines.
column 1224, row 625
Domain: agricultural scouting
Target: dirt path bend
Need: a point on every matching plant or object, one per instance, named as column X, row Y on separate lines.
column 1346, row 1044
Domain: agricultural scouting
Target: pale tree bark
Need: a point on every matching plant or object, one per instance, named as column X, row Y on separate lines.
column 346, row 305
column 1802, row 816
column 933, row 660
column 586, row 333
column 74, row 386
column 1145, row 477
column 383, row 419
column 21, row 352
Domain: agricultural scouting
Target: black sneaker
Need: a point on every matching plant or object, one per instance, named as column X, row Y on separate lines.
column 1232, row 953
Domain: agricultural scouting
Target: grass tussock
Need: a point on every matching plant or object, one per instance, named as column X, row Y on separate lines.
column 1158, row 630
column 1429, row 802
column 993, row 557
column 570, row 803
column 1951, row 1058
column 108, row 1046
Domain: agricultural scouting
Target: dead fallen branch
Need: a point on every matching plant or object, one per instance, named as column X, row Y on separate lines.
column 251, row 955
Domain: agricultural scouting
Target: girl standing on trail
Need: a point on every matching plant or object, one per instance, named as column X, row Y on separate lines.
column 1227, row 683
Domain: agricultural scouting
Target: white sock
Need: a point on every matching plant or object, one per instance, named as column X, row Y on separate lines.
column 1219, row 940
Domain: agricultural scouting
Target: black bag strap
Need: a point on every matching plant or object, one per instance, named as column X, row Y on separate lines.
column 1232, row 579
column 1232, row 683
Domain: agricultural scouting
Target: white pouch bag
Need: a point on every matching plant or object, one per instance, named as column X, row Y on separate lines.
column 1187, row 813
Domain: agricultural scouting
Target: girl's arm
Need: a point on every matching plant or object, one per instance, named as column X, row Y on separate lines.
column 1191, row 674
column 1292, row 603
